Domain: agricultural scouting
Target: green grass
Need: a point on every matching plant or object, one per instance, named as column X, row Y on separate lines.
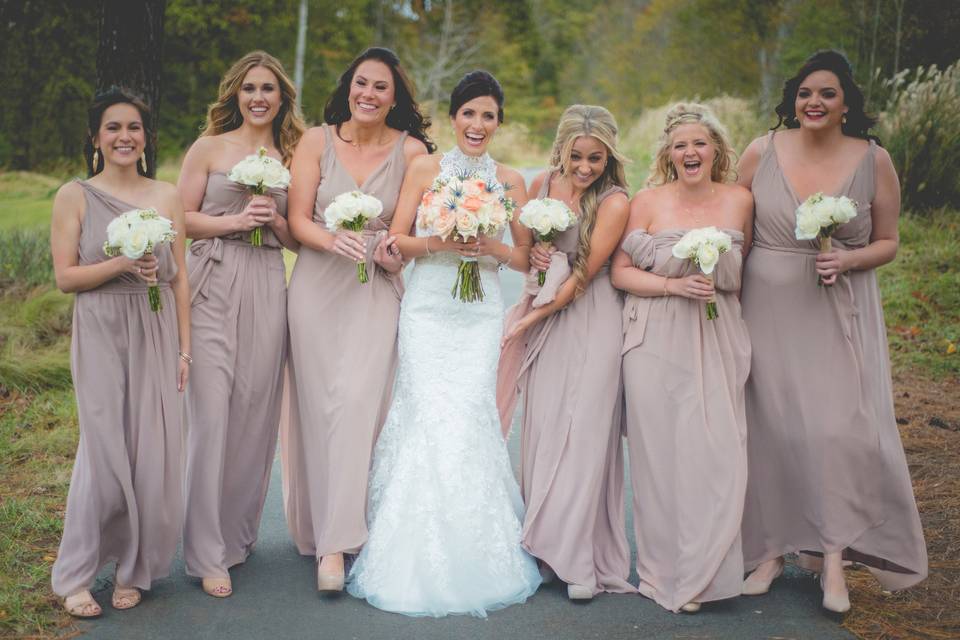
column 25, row 200
column 921, row 295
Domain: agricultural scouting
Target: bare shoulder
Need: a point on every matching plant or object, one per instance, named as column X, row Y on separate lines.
column 736, row 194
column 756, row 148
column 314, row 139
column 69, row 192
column 509, row 176
column 413, row 147
column 882, row 159
column 616, row 204
column 537, row 183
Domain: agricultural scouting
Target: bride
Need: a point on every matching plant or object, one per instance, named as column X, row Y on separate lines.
column 444, row 510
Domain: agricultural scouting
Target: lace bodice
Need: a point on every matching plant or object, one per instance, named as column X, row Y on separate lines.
column 455, row 163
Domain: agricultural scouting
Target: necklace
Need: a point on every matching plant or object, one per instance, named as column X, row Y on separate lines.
column 356, row 145
column 691, row 210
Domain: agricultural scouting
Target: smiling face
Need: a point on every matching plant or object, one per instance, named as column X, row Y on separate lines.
column 820, row 104
column 692, row 152
column 588, row 159
column 475, row 123
column 121, row 137
column 372, row 92
column 259, row 97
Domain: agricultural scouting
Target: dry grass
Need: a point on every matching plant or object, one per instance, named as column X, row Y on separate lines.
column 929, row 415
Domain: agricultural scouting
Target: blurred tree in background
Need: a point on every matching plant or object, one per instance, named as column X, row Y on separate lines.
column 629, row 55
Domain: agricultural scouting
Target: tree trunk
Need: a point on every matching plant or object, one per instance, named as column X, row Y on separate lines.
column 898, row 36
column 301, row 49
column 131, row 35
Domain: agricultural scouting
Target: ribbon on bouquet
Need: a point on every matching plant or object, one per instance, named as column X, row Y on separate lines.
column 517, row 356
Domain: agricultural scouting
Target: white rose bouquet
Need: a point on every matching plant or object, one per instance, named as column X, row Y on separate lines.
column 704, row 246
column 466, row 208
column 136, row 233
column 820, row 216
column 547, row 217
column 260, row 172
column 351, row 210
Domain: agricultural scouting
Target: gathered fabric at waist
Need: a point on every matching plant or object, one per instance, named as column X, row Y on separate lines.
column 124, row 288
column 807, row 251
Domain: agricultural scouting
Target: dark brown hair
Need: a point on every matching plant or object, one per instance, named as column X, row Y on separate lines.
column 405, row 116
column 103, row 101
column 858, row 121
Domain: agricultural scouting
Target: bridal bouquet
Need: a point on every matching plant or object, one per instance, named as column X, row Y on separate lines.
column 819, row 217
column 465, row 207
column 547, row 217
column 135, row 234
column 352, row 210
column 704, row 246
column 261, row 172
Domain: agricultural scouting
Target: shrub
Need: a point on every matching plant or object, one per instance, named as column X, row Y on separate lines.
column 920, row 128
column 25, row 260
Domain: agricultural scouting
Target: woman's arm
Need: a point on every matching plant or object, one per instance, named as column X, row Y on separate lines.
column 749, row 161
column 517, row 257
column 68, row 211
column 884, row 238
column 180, row 286
column 611, row 221
column 192, row 184
column 302, row 198
column 418, row 178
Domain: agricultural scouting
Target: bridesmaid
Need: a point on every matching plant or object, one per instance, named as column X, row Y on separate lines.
column 827, row 470
column 239, row 317
column 683, row 375
column 343, row 333
column 571, row 449
column 124, row 503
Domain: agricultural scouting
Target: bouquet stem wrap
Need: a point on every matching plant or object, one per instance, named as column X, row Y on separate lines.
column 358, row 225
column 826, row 244
column 153, row 292
column 542, row 275
column 712, row 313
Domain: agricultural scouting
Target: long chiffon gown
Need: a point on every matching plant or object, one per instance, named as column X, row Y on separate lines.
column 445, row 510
column 571, row 446
column 124, row 503
column 239, row 337
column 343, row 338
column 683, row 380
column 827, row 472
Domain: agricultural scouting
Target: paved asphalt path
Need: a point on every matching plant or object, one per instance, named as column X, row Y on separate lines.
column 275, row 598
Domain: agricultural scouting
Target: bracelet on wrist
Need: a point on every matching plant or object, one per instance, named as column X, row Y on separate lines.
column 665, row 281
column 186, row 357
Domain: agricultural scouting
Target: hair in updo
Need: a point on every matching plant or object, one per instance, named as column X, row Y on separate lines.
column 581, row 120
column 722, row 169
column 103, row 101
column 476, row 84
column 858, row 121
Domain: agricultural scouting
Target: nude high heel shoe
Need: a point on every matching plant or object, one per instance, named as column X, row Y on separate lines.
column 755, row 587
column 837, row 603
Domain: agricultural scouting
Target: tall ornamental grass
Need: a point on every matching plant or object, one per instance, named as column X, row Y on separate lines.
column 920, row 128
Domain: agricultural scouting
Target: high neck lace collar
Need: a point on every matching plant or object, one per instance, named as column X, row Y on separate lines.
column 455, row 163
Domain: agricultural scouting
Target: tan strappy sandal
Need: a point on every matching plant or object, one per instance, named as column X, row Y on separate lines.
column 82, row 605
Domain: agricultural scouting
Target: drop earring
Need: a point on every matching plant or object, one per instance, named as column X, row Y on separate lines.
column 143, row 160
column 94, row 158
column 843, row 119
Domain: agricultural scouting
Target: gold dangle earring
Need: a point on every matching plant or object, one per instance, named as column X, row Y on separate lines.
column 94, row 159
column 843, row 119
column 143, row 160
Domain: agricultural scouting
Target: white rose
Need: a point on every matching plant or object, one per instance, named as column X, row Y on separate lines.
column 370, row 206
column 274, row 174
column 707, row 257
column 846, row 209
column 825, row 212
column 136, row 243
column 808, row 226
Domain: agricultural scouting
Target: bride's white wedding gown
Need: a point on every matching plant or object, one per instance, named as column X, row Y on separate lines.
column 444, row 511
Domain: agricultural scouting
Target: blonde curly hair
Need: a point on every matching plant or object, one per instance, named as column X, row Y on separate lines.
column 724, row 164
column 224, row 114
column 598, row 123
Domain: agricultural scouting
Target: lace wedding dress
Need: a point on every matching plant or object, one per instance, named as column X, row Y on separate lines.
column 444, row 511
